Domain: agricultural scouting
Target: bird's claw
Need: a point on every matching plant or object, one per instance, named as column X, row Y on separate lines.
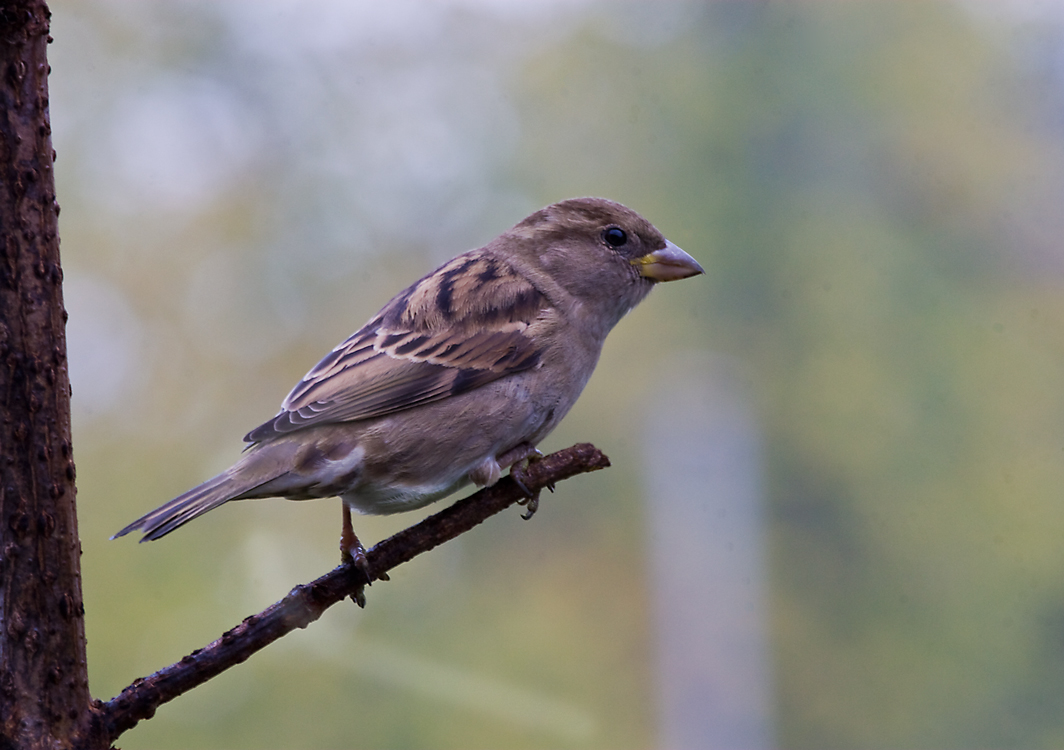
column 353, row 553
column 519, row 475
column 356, row 555
column 532, row 505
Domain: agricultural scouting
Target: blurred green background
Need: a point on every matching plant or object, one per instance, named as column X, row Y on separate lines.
column 860, row 409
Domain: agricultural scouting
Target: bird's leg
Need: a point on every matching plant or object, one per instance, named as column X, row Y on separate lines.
column 518, row 453
column 351, row 550
column 353, row 553
column 518, row 458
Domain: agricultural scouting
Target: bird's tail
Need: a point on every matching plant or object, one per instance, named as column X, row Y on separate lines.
column 183, row 508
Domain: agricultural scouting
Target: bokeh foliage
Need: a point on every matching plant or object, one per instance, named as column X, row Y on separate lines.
column 874, row 189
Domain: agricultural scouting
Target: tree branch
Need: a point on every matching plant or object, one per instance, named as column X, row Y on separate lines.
column 306, row 603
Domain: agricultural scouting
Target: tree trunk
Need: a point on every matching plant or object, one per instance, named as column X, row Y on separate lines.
column 44, row 693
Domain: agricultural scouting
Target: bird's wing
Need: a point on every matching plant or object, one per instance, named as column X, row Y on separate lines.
column 461, row 327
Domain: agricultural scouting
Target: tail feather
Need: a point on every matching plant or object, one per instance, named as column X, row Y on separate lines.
column 272, row 469
column 183, row 508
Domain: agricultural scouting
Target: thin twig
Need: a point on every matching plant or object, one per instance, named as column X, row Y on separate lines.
column 305, row 603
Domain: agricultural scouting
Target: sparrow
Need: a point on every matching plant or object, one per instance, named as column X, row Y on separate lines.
column 457, row 378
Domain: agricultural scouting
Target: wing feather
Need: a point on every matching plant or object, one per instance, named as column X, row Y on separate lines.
column 461, row 327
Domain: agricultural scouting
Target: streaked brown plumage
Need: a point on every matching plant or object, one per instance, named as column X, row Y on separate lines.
column 458, row 376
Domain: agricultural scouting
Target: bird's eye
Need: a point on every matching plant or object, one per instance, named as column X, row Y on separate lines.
column 615, row 236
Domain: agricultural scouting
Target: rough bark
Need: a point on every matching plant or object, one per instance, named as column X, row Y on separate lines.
column 44, row 691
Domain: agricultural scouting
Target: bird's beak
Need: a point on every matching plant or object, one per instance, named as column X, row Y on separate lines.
column 667, row 264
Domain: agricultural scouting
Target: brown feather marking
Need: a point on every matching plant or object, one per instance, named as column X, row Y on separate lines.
column 487, row 270
column 410, row 346
column 456, row 329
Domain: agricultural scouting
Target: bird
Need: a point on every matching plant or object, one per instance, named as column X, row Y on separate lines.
column 456, row 379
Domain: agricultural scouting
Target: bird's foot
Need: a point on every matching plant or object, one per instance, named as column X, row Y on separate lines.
column 353, row 553
column 531, row 504
column 526, row 454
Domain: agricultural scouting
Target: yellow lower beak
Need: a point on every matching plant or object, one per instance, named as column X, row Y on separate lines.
column 667, row 264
